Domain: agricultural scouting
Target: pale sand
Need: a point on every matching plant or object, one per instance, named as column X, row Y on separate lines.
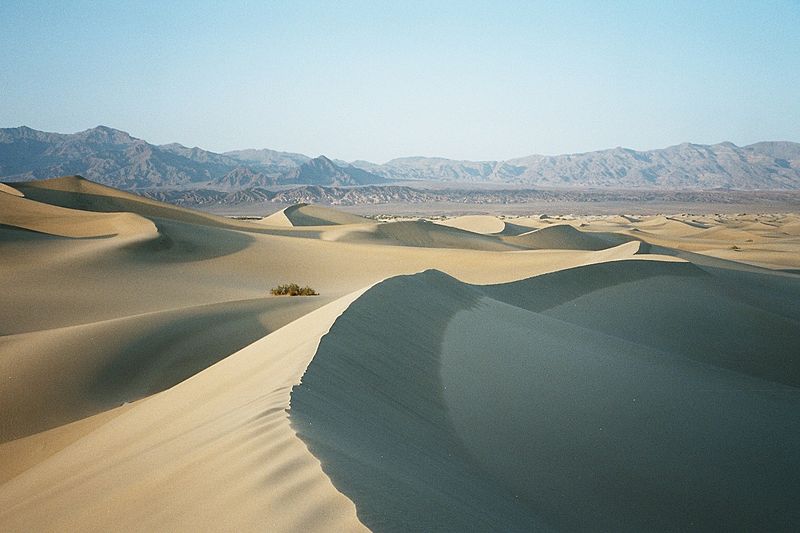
column 35, row 216
column 485, row 224
column 109, row 298
column 215, row 452
column 311, row 215
column 8, row 189
column 23, row 453
column 109, row 362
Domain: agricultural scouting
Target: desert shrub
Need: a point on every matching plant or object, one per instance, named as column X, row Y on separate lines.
column 293, row 289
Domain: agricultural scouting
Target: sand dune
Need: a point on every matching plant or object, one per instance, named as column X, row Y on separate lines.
column 107, row 363
column 780, row 257
column 791, row 228
column 572, row 410
column 428, row 235
column 215, row 452
column 768, row 241
column 77, row 193
column 721, row 233
column 23, row 213
column 558, row 237
column 311, row 215
column 484, row 224
column 655, row 221
column 8, row 189
column 558, row 373
column 19, row 455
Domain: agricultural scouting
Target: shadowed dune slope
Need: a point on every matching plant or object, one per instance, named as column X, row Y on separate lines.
column 313, row 215
column 558, row 237
column 424, row 234
column 370, row 408
column 531, row 405
column 746, row 322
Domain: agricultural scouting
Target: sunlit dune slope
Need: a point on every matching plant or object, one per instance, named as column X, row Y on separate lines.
column 23, row 213
column 64, row 374
column 312, row 215
column 484, row 224
column 77, row 193
column 216, row 452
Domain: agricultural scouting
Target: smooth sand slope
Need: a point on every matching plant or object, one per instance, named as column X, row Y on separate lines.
column 140, row 355
column 8, row 189
column 557, row 237
column 215, row 452
column 27, row 214
column 311, row 215
column 484, row 224
column 673, row 413
column 419, row 233
column 150, row 382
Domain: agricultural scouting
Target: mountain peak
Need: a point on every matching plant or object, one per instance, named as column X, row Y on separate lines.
column 323, row 159
column 106, row 135
column 322, row 164
column 321, row 170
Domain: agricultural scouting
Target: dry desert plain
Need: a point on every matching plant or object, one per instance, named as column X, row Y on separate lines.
column 481, row 373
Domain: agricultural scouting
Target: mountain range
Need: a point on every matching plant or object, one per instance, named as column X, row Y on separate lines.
column 115, row 158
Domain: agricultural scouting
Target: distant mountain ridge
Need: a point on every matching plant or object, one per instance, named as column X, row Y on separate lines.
column 115, row 158
column 765, row 165
column 469, row 197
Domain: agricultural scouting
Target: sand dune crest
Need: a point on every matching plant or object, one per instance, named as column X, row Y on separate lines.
column 571, row 409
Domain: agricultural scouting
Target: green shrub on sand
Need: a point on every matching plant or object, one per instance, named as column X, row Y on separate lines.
column 293, row 289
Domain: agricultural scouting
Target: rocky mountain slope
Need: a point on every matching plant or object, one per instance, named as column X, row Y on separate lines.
column 766, row 165
column 113, row 157
column 469, row 198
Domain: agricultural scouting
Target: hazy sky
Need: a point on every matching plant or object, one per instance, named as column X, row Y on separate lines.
column 373, row 80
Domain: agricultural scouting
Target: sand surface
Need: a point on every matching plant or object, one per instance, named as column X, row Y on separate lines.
column 478, row 373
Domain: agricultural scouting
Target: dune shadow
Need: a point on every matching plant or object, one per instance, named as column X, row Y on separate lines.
column 178, row 242
column 174, row 348
column 627, row 396
column 10, row 233
column 370, row 407
column 602, row 430
column 184, row 235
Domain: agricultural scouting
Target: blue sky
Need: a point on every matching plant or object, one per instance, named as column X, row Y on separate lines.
column 373, row 80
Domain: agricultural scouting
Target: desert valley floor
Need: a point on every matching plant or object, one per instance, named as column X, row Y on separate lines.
column 479, row 373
